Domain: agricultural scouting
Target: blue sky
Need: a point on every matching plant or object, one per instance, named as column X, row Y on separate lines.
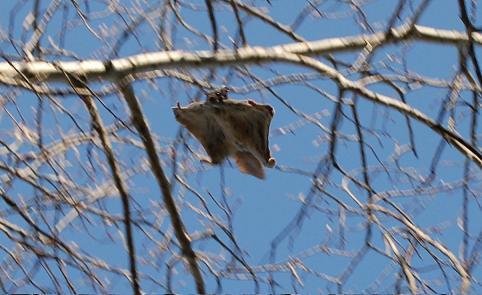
column 262, row 208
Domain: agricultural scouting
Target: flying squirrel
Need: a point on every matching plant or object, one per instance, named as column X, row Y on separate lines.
column 230, row 128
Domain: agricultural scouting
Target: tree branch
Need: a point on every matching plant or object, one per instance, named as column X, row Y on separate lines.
column 179, row 229
column 113, row 69
column 120, row 184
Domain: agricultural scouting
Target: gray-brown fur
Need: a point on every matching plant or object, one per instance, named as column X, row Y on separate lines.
column 237, row 129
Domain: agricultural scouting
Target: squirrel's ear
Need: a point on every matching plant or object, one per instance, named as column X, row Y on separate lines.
column 248, row 164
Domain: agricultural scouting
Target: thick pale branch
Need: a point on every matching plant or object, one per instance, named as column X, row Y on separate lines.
column 113, row 69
